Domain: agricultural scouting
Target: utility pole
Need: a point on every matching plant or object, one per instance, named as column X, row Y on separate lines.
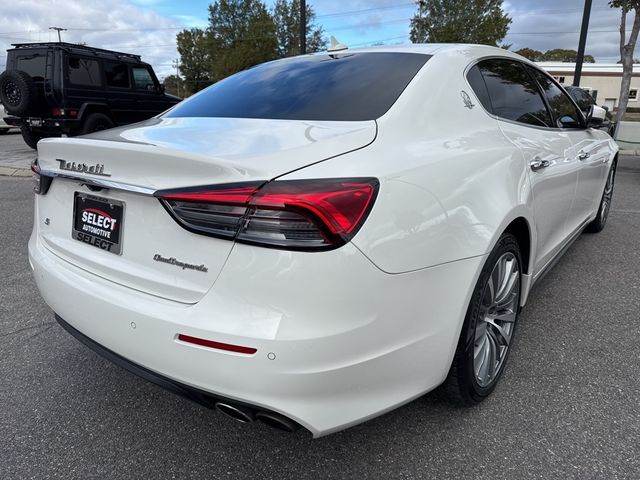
column 58, row 29
column 303, row 27
column 583, row 40
column 176, row 63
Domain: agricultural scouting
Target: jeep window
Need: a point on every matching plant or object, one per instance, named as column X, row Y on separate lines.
column 32, row 64
column 342, row 87
column 117, row 75
column 143, row 79
column 82, row 71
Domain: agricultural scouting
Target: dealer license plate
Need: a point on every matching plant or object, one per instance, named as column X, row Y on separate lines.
column 97, row 221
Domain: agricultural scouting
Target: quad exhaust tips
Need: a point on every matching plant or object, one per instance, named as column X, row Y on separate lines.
column 238, row 413
column 275, row 420
column 246, row 415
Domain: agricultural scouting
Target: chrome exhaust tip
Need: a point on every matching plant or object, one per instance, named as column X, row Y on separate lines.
column 275, row 420
column 236, row 412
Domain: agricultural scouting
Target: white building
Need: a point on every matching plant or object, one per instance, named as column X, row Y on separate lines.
column 602, row 79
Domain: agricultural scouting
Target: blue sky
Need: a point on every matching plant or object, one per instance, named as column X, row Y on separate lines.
column 148, row 27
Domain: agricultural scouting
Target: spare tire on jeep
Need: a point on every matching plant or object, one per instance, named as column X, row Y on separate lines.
column 17, row 92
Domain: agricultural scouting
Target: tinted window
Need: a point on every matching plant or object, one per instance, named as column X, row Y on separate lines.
column 564, row 111
column 513, row 93
column 142, row 79
column 83, row 71
column 32, row 64
column 346, row 87
column 117, row 75
column 479, row 87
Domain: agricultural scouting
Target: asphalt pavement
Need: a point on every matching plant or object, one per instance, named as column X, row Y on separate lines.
column 567, row 407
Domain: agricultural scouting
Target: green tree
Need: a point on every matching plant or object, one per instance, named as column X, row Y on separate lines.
column 454, row 21
column 175, row 86
column 242, row 34
column 194, row 47
column 531, row 54
column 627, row 48
column 286, row 15
column 564, row 55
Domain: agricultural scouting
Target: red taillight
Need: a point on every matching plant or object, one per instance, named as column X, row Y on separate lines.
column 41, row 183
column 57, row 112
column 217, row 345
column 291, row 214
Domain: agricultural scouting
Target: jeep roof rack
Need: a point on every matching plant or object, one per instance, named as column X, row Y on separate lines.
column 76, row 46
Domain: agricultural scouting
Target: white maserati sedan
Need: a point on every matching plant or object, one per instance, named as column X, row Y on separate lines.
column 317, row 240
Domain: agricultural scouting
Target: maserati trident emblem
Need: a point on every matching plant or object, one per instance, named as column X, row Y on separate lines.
column 97, row 169
column 466, row 100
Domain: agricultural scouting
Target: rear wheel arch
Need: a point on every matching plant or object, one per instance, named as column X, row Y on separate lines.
column 520, row 228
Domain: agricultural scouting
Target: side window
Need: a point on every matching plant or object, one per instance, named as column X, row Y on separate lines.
column 565, row 112
column 82, row 71
column 142, row 79
column 117, row 75
column 513, row 93
column 479, row 87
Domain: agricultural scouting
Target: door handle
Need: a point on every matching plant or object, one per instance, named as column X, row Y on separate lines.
column 583, row 155
column 537, row 164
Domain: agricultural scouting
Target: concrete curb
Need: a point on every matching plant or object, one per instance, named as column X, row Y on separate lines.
column 628, row 152
column 14, row 172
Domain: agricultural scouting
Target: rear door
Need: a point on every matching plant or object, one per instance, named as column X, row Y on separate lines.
column 590, row 150
column 120, row 93
column 515, row 99
column 83, row 81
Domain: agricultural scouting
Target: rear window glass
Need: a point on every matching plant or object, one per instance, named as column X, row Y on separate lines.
column 346, row 87
column 83, row 71
column 32, row 64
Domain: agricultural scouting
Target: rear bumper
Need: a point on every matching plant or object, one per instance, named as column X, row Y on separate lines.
column 326, row 359
column 201, row 397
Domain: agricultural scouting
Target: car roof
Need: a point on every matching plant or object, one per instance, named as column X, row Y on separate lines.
column 463, row 49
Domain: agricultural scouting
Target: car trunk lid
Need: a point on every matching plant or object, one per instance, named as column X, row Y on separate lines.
column 110, row 178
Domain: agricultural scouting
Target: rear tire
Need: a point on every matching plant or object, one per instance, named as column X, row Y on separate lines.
column 597, row 225
column 489, row 326
column 4, row 131
column 30, row 137
column 17, row 92
column 96, row 122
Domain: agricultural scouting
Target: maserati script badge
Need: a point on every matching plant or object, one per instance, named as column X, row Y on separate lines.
column 97, row 169
column 185, row 266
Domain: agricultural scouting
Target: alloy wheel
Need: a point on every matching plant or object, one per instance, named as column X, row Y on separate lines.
column 496, row 321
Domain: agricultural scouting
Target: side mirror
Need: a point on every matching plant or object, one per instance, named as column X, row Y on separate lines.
column 161, row 88
column 596, row 116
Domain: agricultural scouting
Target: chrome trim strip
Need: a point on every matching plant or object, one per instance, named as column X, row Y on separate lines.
column 100, row 182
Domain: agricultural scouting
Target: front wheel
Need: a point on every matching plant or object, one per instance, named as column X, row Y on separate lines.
column 489, row 326
column 605, row 203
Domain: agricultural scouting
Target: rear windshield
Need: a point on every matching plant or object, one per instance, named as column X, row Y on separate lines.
column 347, row 87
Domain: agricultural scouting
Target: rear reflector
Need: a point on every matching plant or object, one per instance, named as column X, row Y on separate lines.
column 291, row 214
column 217, row 345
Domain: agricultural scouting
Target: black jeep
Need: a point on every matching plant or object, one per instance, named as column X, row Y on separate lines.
column 50, row 89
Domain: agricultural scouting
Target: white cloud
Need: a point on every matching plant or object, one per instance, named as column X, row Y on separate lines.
column 111, row 24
